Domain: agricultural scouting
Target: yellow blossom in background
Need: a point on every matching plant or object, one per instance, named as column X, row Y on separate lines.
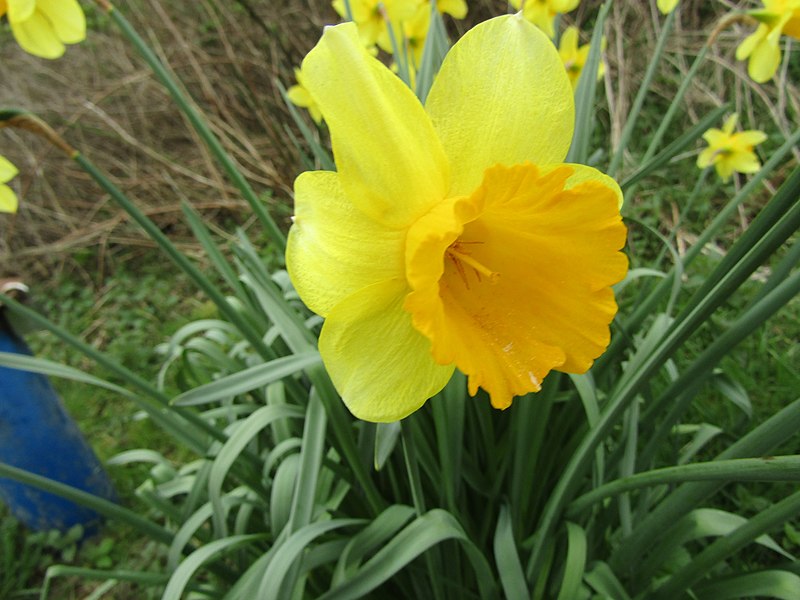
column 414, row 30
column 42, row 27
column 762, row 48
column 453, row 235
column 729, row 151
column 8, row 199
column 368, row 15
column 667, row 6
column 299, row 96
column 455, row 8
column 574, row 56
column 542, row 13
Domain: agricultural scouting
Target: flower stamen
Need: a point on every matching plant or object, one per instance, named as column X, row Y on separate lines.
column 456, row 254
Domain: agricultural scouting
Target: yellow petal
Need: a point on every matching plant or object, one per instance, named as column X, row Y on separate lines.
column 764, row 61
column 455, row 8
column 716, row 137
column 66, row 17
column 749, row 138
column 333, row 249
column 582, row 174
column 724, row 168
column 8, row 200
column 568, row 44
column 7, row 170
column 563, row 6
column 378, row 362
column 745, row 162
column 792, row 26
column 667, row 6
column 730, row 124
column 541, row 15
column 502, row 96
column 299, row 96
column 20, row 10
column 391, row 164
column 36, row 36
column 707, row 157
column 525, row 287
column 745, row 49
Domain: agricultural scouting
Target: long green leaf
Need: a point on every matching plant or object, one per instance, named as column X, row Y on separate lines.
column 507, row 559
column 248, row 379
column 100, row 505
column 376, row 533
column 240, row 437
column 43, row 366
column 192, row 563
column 423, row 533
column 585, row 93
column 575, row 563
column 291, row 550
column 703, row 563
column 783, row 585
column 778, row 468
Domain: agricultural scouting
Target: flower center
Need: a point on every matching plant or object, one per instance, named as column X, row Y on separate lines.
column 458, row 253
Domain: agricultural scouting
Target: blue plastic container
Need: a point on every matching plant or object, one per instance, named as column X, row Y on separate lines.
column 37, row 434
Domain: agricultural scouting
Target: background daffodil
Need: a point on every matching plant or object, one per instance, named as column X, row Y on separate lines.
column 299, row 96
column 370, row 15
column 762, row 47
column 42, row 27
column 542, row 13
column 574, row 56
column 666, row 6
column 452, row 234
column 731, row 151
column 8, row 199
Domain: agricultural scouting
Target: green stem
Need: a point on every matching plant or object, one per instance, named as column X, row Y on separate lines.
column 200, row 126
column 585, row 93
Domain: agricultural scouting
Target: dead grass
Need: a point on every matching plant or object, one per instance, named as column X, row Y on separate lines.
column 106, row 103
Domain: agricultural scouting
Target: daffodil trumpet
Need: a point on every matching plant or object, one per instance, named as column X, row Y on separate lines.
column 453, row 235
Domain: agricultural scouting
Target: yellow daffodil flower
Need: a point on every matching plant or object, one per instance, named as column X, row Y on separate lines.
column 370, row 15
column 8, row 199
column 762, row 48
column 452, row 234
column 574, row 56
column 42, row 27
column 729, row 151
column 542, row 13
column 299, row 96
column 666, row 6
